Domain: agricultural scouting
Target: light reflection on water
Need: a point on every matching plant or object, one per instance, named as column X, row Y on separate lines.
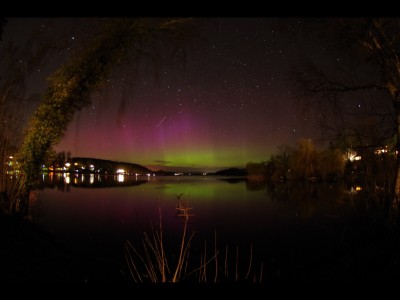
column 96, row 214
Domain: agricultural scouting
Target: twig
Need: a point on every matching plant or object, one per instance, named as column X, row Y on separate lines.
column 237, row 255
column 251, row 258
column 162, row 250
column 130, row 262
column 179, row 266
column 216, row 258
column 226, row 261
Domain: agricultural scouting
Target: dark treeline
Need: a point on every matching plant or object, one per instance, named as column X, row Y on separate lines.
column 369, row 166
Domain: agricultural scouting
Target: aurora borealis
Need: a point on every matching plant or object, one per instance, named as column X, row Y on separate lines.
column 230, row 103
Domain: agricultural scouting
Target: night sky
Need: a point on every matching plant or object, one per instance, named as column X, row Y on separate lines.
column 232, row 102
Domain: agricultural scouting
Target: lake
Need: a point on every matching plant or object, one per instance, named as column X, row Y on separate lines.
column 306, row 231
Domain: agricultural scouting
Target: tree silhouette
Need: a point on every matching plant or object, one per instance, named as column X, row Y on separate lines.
column 305, row 159
column 363, row 93
column 19, row 63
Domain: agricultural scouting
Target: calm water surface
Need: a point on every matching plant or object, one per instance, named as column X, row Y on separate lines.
column 293, row 230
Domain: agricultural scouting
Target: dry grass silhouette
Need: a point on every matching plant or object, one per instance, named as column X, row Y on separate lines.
column 154, row 264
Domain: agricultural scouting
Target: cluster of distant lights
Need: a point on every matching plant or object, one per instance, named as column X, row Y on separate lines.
column 12, row 165
column 120, row 177
column 119, row 174
column 355, row 189
column 353, row 156
column 67, row 165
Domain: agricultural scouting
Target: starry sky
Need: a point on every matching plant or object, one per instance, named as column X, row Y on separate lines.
column 230, row 103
